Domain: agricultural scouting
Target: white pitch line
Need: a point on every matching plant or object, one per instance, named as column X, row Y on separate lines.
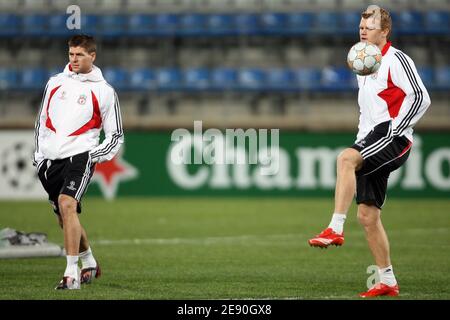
column 195, row 241
column 254, row 239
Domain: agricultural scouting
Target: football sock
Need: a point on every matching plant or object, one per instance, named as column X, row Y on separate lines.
column 87, row 259
column 337, row 222
column 387, row 276
column 72, row 267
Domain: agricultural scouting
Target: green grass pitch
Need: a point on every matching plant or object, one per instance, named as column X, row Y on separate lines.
column 228, row 248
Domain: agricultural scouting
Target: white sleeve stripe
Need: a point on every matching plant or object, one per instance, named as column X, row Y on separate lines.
column 418, row 95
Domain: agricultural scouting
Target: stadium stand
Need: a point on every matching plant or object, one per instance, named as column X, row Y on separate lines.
column 244, row 52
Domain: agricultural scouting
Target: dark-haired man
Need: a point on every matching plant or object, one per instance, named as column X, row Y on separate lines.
column 77, row 104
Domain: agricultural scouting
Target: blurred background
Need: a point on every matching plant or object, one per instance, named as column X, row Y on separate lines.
column 225, row 231
column 230, row 63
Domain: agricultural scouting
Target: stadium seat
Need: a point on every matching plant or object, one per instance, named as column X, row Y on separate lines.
column 408, row 22
column 58, row 25
column 281, row 79
column 8, row 79
column 307, row 79
column 192, row 24
column 54, row 71
column 251, row 79
column 336, row 79
column 117, row 77
column 247, row 24
column 223, row 79
column 349, row 22
column 442, row 76
column 169, row 79
column 9, row 25
column 34, row 24
column 326, row 22
column 166, row 24
column 437, row 22
column 299, row 23
column 427, row 76
column 33, row 79
column 220, row 24
column 143, row 79
column 274, row 23
column 89, row 24
column 112, row 25
column 196, row 79
column 141, row 24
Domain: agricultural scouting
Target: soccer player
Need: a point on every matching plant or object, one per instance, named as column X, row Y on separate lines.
column 391, row 102
column 76, row 105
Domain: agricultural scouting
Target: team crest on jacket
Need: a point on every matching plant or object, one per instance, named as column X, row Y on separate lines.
column 82, row 99
column 374, row 75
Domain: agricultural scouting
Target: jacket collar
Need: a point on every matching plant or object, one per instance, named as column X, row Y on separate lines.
column 95, row 75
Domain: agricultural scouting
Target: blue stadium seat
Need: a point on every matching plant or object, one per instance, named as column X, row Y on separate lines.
column 112, row 25
column 274, row 23
column 299, row 23
column 281, row 79
column 336, row 79
column 251, row 79
column 9, row 25
column 8, row 79
column 408, row 22
column 427, row 76
column 247, row 23
column 143, row 79
column 54, row 71
column 196, row 79
column 117, row 77
column 33, row 79
column 223, row 79
column 326, row 22
column 307, row 78
column 58, row 25
column 89, row 24
column 350, row 22
column 193, row 24
column 166, row 24
column 442, row 76
column 220, row 24
column 169, row 79
column 34, row 24
column 141, row 24
column 437, row 22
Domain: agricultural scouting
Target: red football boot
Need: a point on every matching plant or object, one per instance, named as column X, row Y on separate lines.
column 326, row 238
column 381, row 289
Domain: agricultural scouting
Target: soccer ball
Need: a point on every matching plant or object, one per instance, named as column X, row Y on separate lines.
column 364, row 58
column 16, row 168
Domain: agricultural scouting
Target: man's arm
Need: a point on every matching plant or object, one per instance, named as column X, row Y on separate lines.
column 417, row 100
column 112, row 126
column 39, row 127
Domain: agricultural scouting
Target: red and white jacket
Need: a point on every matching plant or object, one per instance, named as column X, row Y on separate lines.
column 395, row 93
column 74, row 108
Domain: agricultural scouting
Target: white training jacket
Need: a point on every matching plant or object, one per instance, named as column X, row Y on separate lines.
column 74, row 108
column 395, row 93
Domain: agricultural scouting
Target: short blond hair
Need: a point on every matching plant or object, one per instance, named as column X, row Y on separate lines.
column 386, row 20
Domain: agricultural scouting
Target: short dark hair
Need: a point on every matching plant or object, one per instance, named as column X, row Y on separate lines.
column 84, row 41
